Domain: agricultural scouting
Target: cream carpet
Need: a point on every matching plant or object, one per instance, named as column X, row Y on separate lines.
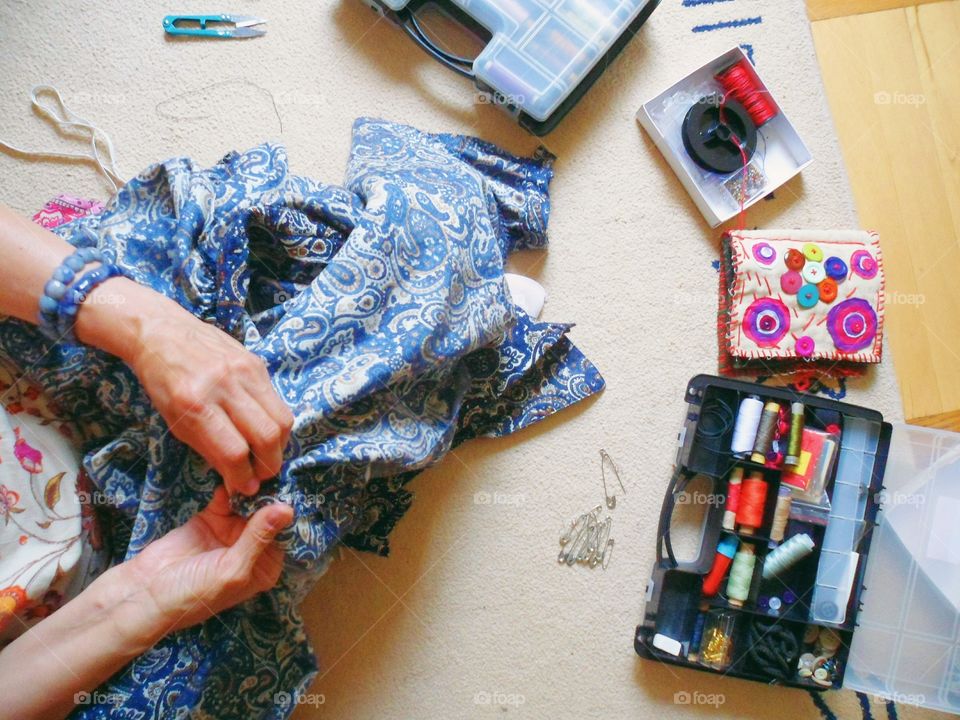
column 471, row 616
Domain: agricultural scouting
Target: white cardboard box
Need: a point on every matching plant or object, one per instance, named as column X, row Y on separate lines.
column 780, row 153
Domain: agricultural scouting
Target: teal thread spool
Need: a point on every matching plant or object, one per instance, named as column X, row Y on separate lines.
column 741, row 575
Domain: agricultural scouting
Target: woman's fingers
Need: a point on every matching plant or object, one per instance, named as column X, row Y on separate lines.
column 212, row 434
column 257, row 537
column 261, row 389
column 265, row 437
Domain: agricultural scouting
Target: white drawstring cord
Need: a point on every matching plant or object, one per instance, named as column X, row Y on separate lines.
column 64, row 118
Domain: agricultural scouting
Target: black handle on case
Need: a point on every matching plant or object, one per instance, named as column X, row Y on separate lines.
column 711, row 529
column 666, row 518
column 460, row 65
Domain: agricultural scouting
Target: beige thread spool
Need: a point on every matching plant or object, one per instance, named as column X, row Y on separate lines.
column 781, row 514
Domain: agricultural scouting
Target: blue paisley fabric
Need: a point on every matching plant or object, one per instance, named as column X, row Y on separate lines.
column 381, row 310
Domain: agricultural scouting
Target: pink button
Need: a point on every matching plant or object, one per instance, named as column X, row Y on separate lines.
column 790, row 282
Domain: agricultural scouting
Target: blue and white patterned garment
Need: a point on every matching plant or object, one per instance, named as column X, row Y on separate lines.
column 382, row 313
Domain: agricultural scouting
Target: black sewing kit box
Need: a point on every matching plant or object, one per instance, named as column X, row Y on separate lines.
column 829, row 551
column 536, row 58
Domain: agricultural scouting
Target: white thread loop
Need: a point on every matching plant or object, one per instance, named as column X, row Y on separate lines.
column 101, row 148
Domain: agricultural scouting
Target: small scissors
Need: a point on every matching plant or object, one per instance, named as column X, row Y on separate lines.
column 238, row 26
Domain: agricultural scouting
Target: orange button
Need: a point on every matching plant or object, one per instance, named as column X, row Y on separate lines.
column 828, row 290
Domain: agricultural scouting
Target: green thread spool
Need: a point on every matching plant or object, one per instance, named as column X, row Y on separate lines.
column 796, row 434
column 764, row 441
column 741, row 575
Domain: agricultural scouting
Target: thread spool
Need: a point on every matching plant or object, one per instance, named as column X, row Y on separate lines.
column 745, row 430
column 796, row 434
column 781, row 514
column 765, row 432
column 726, row 549
column 786, row 555
column 741, row 575
column 742, row 84
column 733, row 499
column 753, row 497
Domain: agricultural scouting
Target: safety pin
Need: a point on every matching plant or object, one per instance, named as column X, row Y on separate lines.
column 605, row 459
column 602, row 540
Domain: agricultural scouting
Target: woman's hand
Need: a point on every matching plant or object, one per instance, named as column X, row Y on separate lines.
column 215, row 561
column 214, row 394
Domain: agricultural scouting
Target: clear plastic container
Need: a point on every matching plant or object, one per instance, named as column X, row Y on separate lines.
column 907, row 644
column 541, row 50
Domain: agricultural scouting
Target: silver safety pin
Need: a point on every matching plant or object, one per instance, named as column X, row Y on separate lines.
column 605, row 460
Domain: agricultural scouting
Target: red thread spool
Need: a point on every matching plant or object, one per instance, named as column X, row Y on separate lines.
column 753, row 497
column 742, row 84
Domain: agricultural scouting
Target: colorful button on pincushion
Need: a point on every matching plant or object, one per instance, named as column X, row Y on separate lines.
column 828, row 290
column 808, row 296
column 811, row 251
column 836, row 269
column 791, row 282
column 813, row 272
column 794, row 259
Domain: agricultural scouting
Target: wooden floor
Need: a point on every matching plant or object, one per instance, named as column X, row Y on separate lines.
column 892, row 74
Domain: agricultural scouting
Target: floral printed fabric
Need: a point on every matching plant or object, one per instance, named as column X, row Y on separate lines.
column 381, row 311
column 65, row 208
column 47, row 535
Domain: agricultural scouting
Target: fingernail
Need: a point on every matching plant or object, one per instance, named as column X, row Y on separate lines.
column 251, row 488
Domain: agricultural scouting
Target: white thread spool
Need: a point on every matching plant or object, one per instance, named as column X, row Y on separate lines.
column 748, row 420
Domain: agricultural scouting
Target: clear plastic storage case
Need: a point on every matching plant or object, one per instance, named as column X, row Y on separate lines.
column 542, row 55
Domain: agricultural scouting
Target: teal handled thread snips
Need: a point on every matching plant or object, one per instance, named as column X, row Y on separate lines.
column 223, row 26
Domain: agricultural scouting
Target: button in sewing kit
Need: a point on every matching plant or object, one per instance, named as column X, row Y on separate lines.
column 833, row 560
column 725, row 136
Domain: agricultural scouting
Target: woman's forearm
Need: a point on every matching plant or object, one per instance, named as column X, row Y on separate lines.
column 75, row 649
column 111, row 318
